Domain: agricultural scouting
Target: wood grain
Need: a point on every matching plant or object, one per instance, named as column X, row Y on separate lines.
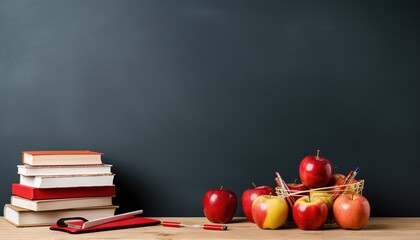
column 377, row 228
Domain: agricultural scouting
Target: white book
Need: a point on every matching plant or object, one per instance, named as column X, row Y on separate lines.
column 22, row 217
column 59, row 204
column 63, row 170
column 61, row 181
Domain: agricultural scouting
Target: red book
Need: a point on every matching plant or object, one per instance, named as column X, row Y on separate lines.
column 53, row 193
column 121, row 224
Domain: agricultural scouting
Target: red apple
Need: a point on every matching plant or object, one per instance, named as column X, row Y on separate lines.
column 270, row 212
column 335, row 178
column 249, row 195
column 351, row 211
column 310, row 214
column 295, row 188
column 315, row 171
column 219, row 205
column 328, row 198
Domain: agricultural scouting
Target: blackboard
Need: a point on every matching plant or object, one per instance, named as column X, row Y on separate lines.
column 185, row 96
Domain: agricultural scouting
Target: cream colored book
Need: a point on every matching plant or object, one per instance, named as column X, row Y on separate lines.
column 22, row 217
column 60, row 157
column 61, row 181
column 59, row 204
column 27, row 170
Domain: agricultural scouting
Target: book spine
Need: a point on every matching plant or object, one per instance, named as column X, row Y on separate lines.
column 23, row 158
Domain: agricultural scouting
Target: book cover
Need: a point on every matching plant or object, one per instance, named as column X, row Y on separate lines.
column 32, row 193
column 61, row 157
column 63, row 170
column 22, row 217
column 60, row 204
column 121, row 224
column 67, row 181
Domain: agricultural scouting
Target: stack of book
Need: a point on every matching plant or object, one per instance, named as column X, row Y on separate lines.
column 60, row 184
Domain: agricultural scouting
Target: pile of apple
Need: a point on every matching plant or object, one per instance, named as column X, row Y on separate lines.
column 261, row 205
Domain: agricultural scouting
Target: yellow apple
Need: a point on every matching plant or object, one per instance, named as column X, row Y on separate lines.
column 325, row 196
column 269, row 212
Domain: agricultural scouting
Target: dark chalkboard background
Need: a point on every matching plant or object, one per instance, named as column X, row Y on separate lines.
column 185, row 96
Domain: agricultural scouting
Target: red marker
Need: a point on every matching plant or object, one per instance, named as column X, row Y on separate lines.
column 216, row 227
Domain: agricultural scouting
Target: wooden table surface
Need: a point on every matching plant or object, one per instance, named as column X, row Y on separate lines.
column 377, row 228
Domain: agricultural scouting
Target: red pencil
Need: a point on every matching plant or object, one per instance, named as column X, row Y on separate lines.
column 206, row 226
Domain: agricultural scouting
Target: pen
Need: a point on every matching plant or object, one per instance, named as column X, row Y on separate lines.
column 206, row 226
column 119, row 217
column 348, row 177
column 347, row 181
column 285, row 189
column 351, row 178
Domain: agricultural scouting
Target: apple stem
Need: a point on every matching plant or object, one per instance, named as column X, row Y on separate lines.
column 317, row 154
column 295, row 181
column 221, row 187
column 253, row 184
column 270, row 195
column 309, row 197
